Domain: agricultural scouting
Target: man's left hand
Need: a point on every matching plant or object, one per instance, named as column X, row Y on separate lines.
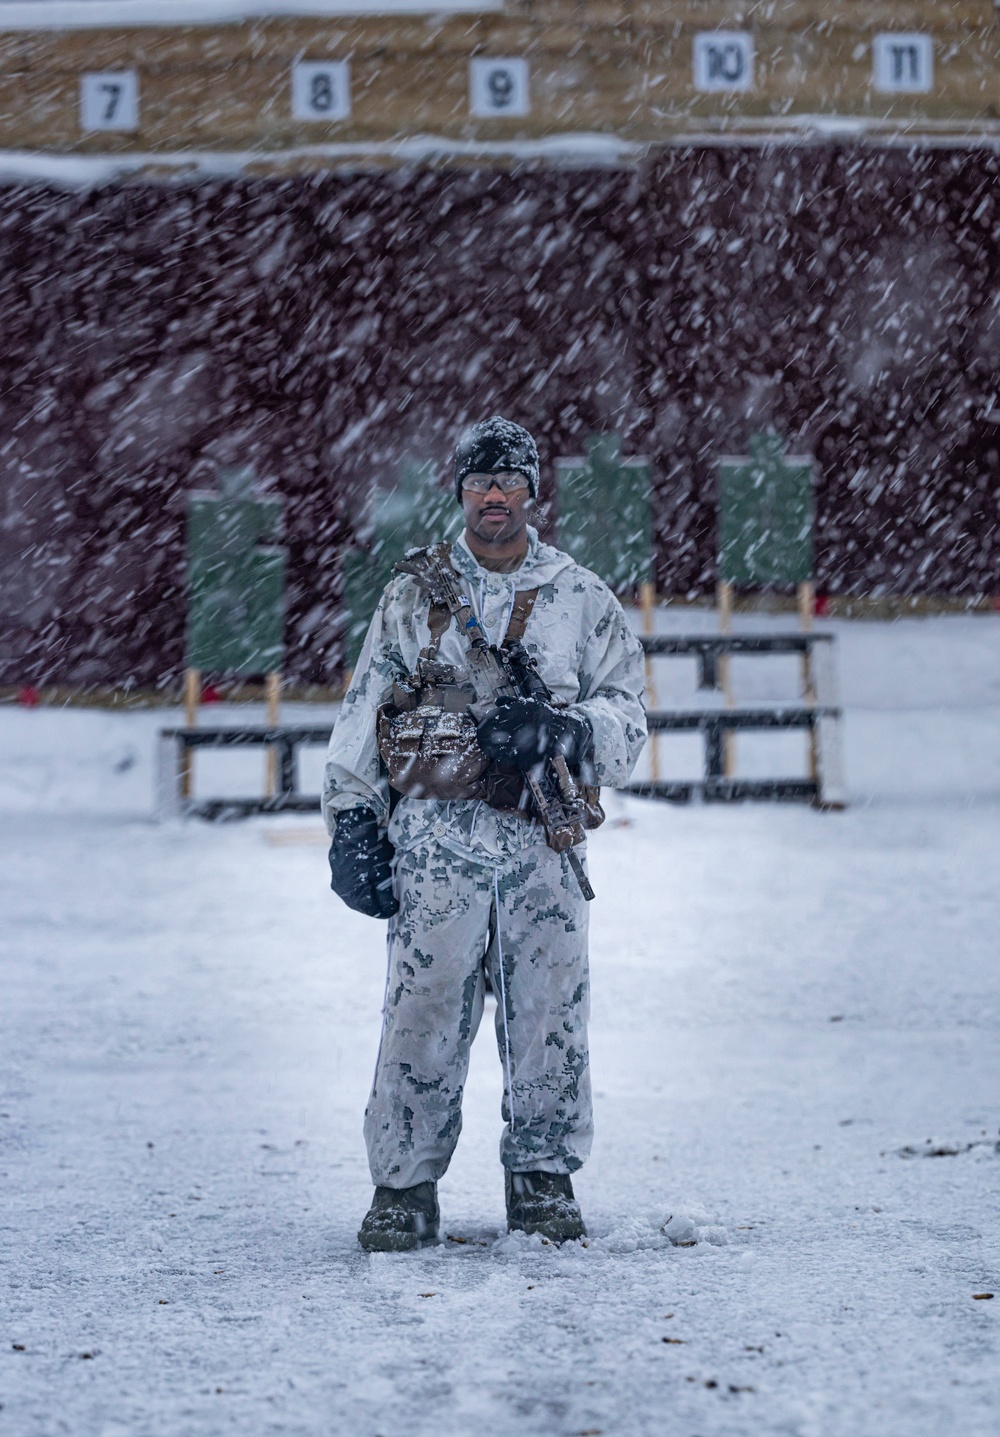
column 522, row 732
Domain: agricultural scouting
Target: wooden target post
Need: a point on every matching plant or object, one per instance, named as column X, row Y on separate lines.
column 807, row 607
column 647, row 603
column 192, row 700
column 272, row 699
column 724, row 599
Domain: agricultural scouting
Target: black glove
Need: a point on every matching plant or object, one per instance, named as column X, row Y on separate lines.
column 520, row 733
column 360, row 858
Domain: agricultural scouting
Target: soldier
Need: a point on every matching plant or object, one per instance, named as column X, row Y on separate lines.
column 460, row 864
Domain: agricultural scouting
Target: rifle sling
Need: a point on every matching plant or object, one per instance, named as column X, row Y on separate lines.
column 439, row 617
column 420, row 562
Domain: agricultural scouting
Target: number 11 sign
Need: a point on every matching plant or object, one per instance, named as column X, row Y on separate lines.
column 109, row 100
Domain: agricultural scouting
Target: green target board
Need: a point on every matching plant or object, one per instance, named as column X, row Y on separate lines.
column 236, row 579
column 766, row 515
column 605, row 513
column 415, row 511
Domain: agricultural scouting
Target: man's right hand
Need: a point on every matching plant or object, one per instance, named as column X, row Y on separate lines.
column 360, row 863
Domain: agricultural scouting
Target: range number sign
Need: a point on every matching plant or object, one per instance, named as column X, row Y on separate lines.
column 109, row 100
column 321, row 90
column 903, row 64
column 723, row 60
column 498, row 87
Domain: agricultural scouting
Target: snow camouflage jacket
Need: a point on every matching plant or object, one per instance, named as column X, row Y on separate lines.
column 585, row 651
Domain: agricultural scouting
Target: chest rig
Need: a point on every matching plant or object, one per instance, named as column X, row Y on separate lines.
column 427, row 732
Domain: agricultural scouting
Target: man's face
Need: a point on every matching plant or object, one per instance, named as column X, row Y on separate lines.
column 500, row 513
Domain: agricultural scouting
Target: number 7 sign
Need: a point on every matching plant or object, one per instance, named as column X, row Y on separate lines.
column 109, row 100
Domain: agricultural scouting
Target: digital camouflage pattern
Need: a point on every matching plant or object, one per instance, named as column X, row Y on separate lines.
column 475, row 884
column 528, row 917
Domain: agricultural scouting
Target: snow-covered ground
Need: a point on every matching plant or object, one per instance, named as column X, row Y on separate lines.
column 787, row 1006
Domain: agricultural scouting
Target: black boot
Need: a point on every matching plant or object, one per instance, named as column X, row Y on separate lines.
column 543, row 1203
column 401, row 1219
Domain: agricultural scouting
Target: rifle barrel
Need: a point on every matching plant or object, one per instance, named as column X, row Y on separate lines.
column 581, row 877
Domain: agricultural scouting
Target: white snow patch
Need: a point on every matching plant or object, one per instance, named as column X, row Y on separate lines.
column 187, row 1034
column 98, row 761
column 90, row 170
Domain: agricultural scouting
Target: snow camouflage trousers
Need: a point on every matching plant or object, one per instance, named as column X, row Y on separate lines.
column 528, row 919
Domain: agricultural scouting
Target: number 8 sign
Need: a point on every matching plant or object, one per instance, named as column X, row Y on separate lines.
column 321, row 90
column 109, row 100
column 498, row 87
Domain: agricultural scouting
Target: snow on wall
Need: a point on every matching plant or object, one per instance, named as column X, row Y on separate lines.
column 92, row 170
column 113, row 14
column 327, row 327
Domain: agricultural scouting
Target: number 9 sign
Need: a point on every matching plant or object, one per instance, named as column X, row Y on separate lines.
column 109, row 100
column 321, row 90
column 498, row 87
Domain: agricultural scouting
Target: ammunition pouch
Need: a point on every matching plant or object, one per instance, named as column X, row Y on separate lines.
column 427, row 738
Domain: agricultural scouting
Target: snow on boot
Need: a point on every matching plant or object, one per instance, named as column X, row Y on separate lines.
column 401, row 1219
column 543, row 1203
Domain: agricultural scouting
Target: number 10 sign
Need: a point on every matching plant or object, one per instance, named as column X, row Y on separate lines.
column 321, row 90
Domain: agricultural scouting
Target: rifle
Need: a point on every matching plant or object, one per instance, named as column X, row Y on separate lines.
column 495, row 673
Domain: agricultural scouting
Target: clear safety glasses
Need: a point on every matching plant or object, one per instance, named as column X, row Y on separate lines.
column 483, row 483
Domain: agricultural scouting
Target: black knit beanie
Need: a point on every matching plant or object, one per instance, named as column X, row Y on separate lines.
column 496, row 446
